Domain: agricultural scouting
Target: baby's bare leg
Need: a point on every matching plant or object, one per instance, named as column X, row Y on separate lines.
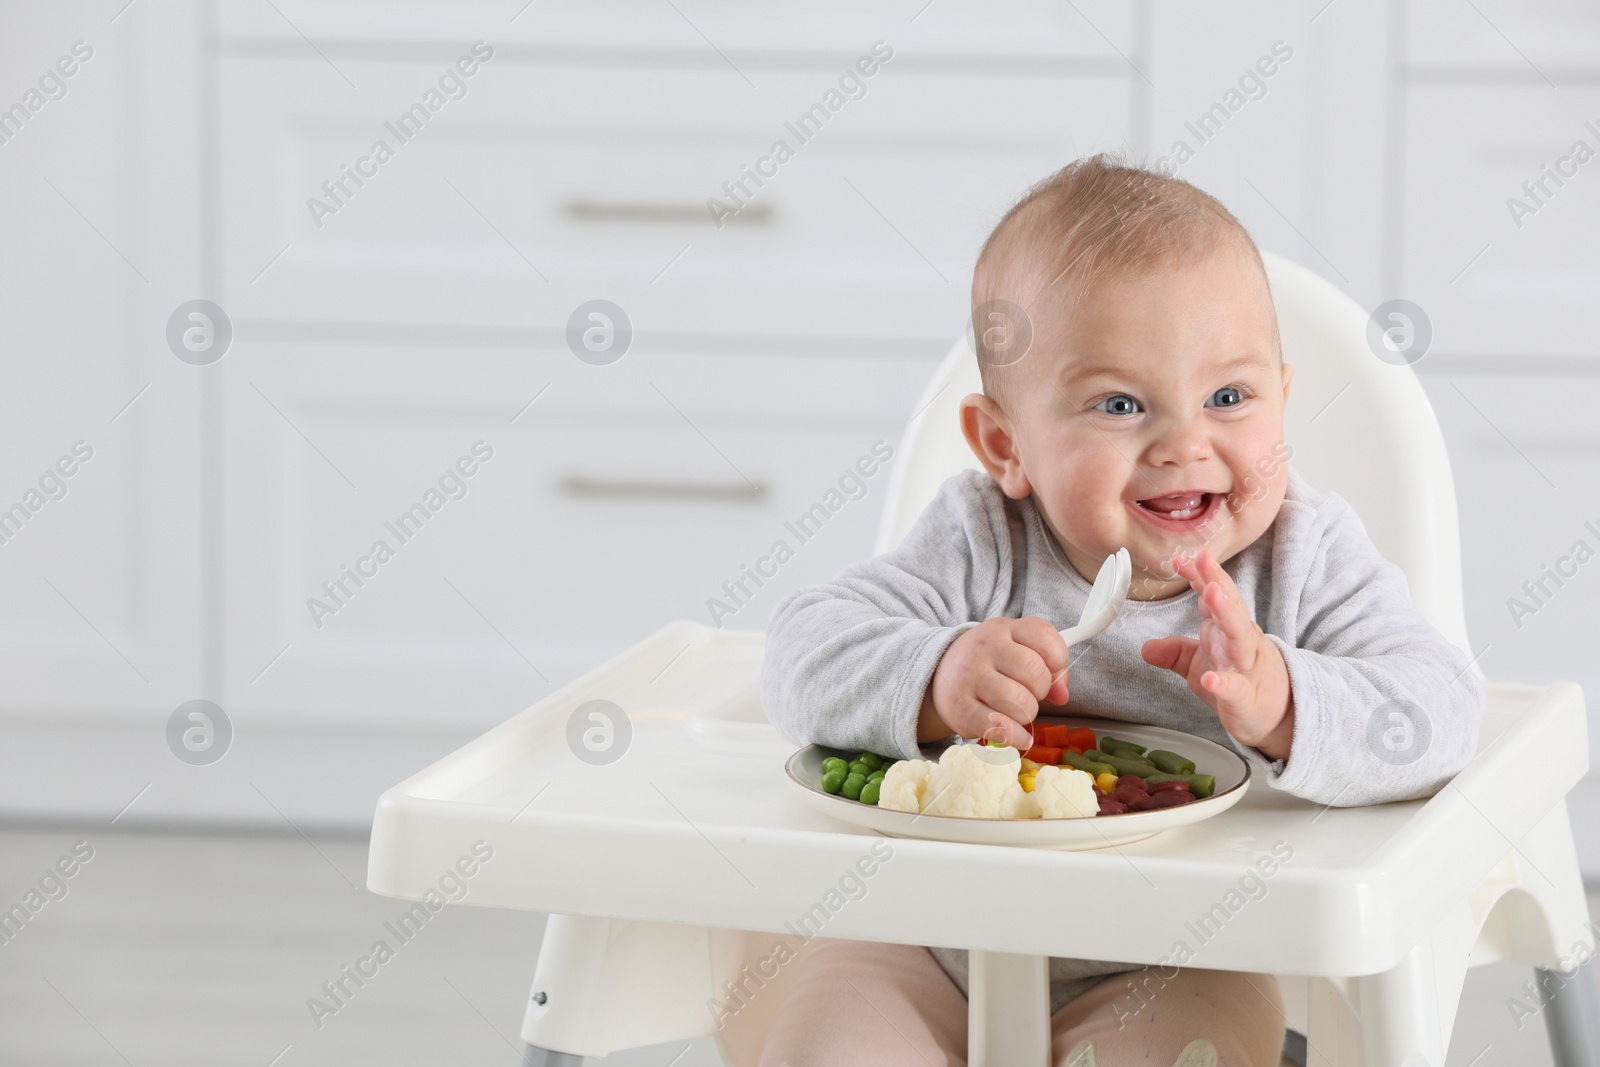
column 1142, row 1019
column 863, row 1002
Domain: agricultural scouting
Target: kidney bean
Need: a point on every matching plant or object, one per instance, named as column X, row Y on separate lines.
column 1129, row 793
column 1112, row 806
column 1133, row 780
column 1170, row 787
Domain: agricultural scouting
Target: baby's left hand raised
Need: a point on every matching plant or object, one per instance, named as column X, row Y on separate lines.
column 1233, row 667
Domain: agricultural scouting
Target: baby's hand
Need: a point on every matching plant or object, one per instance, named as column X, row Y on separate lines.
column 991, row 679
column 1234, row 668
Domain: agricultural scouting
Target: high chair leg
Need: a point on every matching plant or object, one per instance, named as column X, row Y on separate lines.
column 1572, row 1017
column 606, row 984
column 1008, row 1010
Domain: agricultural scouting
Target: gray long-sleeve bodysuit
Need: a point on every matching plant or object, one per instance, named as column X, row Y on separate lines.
column 1385, row 707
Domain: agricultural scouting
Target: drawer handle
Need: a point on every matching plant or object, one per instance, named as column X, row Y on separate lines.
column 645, row 211
column 618, row 488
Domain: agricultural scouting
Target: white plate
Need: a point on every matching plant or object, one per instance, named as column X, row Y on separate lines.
column 1227, row 766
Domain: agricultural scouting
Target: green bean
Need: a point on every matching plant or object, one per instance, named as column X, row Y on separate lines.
column 869, row 792
column 1201, row 785
column 1084, row 763
column 1122, row 764
column 1113, row 746
column 833, row 781
column 1169, row 762
column 853, row 785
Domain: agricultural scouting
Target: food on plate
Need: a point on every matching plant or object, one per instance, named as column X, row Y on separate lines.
column 1067, row 773
column 1201, row 785
column 1169, row 762
column 905, row 784
column 1065, row 793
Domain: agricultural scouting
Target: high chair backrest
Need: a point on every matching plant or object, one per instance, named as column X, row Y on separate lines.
column 1356, row 424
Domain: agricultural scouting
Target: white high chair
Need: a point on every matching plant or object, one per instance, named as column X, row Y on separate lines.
column 671, row 874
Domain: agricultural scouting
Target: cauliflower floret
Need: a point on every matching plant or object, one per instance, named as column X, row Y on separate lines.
column 904, row 785
column 965, row 784
column 1064, row 793
column 1017, row 803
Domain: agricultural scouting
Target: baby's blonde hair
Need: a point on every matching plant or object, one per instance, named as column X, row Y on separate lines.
column 1095, row 219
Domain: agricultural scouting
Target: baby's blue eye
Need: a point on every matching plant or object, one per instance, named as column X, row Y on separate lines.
column 1121, row 404
column 1233, row 395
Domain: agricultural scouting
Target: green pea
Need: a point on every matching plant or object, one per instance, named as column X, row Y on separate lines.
column 853, row 785
column 876, row 776
column 869, row 792
column 871, row 759
column 860, row 768
column 833, row 762
column 833, row 781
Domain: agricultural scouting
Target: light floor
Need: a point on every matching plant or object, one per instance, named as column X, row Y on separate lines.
column 197, row 949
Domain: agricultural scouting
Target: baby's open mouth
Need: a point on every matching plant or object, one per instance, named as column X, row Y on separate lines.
column 1188, row 507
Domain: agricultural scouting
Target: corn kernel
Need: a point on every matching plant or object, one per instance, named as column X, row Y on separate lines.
column 1027, row 781
column 1107, row 783
column 1029, row 767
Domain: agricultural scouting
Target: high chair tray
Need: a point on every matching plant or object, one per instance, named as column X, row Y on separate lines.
column 696, row 824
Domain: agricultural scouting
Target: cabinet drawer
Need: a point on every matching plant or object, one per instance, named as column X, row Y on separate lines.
column 600, row 516
column 543, row 188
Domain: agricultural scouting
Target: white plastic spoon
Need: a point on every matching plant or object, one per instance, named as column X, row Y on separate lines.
column 1106, row 598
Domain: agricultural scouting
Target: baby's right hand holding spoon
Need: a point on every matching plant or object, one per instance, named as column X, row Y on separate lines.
column 991, row 680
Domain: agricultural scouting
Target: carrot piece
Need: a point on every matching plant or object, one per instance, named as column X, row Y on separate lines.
column 1081, row 738
column 1044, row 755
column 1055, row 736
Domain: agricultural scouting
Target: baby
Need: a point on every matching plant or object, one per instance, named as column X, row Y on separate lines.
column 1133, row 396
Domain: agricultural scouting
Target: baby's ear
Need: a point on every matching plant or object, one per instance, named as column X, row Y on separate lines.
column 988, row 431
column 1288, row 375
